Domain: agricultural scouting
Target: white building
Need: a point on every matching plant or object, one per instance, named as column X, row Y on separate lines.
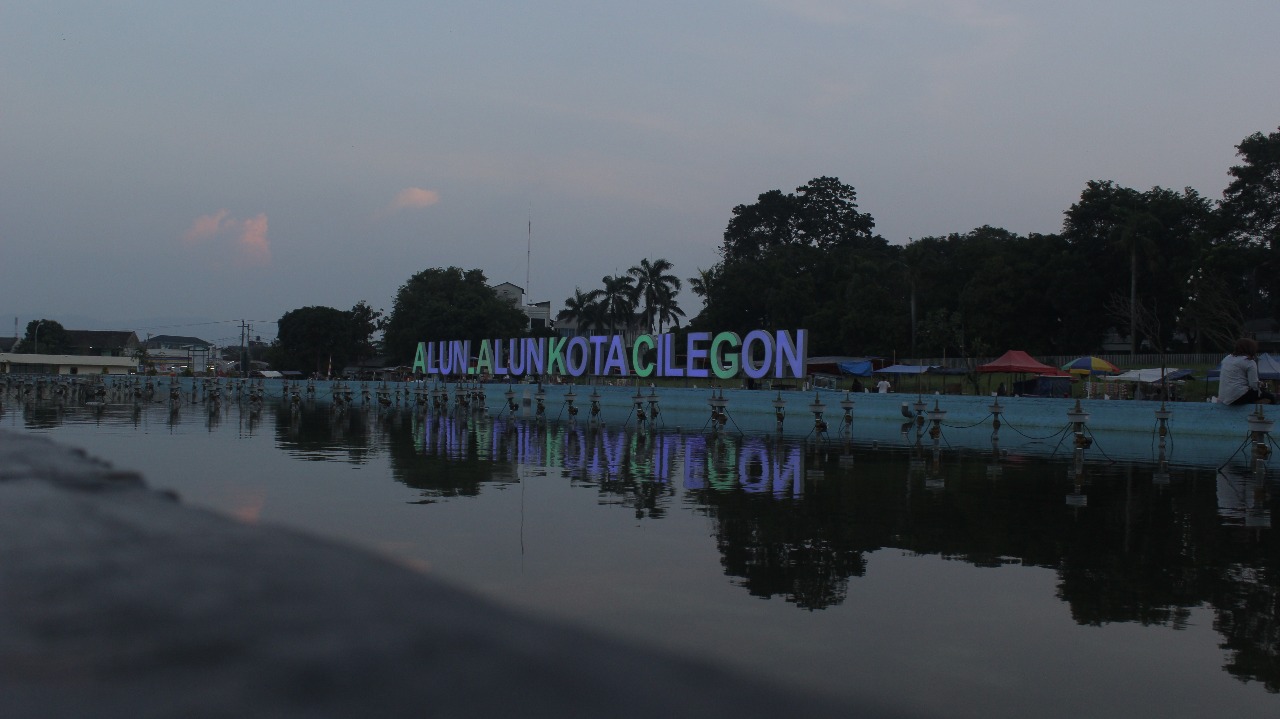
column 539, row 313
column 11, row 363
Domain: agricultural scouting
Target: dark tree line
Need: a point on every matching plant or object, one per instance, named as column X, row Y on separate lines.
column 1171, row 269
column 323, row 339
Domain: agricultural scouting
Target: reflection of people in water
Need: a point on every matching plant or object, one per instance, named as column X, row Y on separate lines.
column 1238, row 378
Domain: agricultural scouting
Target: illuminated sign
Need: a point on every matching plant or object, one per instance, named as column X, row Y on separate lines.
column 698, row 354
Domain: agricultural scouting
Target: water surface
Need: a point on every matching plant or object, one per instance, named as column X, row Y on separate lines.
column 952, row 583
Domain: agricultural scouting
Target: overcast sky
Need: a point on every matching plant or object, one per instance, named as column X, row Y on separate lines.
column 167, row 163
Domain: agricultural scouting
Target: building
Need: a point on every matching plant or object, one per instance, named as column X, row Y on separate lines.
column 11, row 363
column 539, row 313
column 174, row 353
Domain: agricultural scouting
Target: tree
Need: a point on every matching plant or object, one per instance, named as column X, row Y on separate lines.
column 618, row 297
column 448, row 304
column 365, row 322
column 808, row 260
column 829, row 216
column 822, row 213
column 657, row 288
column 700, row 283
column 44, row 336
column 313, row 338
column 584, row 309
column 1159, row 236
column 1250, row 212
column 1251, row 202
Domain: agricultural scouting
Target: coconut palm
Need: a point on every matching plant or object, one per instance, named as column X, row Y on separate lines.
column 658, row 289
column 701, row 283
column 583, row 308
column 618, row 298
column 668, row 311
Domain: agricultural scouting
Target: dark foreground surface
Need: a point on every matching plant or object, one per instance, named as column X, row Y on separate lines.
column 116, row 600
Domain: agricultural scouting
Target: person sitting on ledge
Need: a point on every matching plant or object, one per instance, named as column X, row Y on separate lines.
column 1238, row 378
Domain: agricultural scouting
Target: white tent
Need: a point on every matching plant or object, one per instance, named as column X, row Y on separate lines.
column 1148, row 376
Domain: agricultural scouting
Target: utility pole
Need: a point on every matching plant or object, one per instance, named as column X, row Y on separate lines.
column 244, row 349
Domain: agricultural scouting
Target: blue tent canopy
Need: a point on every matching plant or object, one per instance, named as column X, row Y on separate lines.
column 831, row 364
column 1268, row 368
column 858, row 368
column 903, row 369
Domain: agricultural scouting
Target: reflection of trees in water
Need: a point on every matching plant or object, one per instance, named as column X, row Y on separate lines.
column 627, row 469
column 1248, row 617
column 798, row 524
column 316, row 432
column 1151, row 554
column 1247, row 602
column 795, row 549
column 41, row 415
column 1139, row 552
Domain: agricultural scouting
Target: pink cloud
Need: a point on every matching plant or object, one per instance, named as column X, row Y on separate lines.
column 415, row 197
column 205, row 227
column 247, row 237
column 253, row 240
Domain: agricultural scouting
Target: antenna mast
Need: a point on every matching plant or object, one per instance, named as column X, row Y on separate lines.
column 528, row 260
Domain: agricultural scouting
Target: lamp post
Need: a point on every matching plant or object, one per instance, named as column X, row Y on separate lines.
column 35, row 338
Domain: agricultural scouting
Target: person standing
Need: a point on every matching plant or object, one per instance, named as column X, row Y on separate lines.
column 883, row 386
column 1238, row 377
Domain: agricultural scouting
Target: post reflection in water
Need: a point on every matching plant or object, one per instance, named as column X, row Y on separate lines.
column 825, row 526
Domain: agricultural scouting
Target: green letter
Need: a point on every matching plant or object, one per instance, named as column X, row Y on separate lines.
column 555, row 355
column 420, row 359
column 725, row 364
column 484, row 360
column 641, row 370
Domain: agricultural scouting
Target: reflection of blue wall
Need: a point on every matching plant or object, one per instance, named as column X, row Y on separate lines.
column 1200, row 433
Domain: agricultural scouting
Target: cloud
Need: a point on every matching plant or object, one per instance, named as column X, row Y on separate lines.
column 412, row 198
column 248, row 238
column 415, row 197
column 254, row 249
column 204, row 228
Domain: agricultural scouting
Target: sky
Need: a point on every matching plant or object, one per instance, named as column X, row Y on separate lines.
column 177, row 167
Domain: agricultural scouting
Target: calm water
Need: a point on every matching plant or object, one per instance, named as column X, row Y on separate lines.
column 948, row 584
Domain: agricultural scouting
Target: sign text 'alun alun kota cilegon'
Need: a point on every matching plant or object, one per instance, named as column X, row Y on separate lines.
column 759, row 354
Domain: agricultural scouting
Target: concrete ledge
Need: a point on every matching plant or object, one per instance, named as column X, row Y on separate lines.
column 117, row 601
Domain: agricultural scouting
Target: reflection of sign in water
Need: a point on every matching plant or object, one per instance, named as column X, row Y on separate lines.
column 769, row 468
column 757, row 465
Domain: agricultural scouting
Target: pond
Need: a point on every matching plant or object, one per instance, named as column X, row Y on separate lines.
column 949, row 583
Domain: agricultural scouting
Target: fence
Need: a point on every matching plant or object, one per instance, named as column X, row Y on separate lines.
column 1123, row 361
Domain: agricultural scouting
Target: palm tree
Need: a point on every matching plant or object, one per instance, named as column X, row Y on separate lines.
column 583, row 308
column 619, row 301
column 656, row 287
column 668, row 310
column 701, row 284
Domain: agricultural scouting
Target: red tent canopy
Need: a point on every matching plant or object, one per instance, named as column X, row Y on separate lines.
column 1017, row 361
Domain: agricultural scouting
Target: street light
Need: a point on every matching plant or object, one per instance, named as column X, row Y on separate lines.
column 35, row 338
